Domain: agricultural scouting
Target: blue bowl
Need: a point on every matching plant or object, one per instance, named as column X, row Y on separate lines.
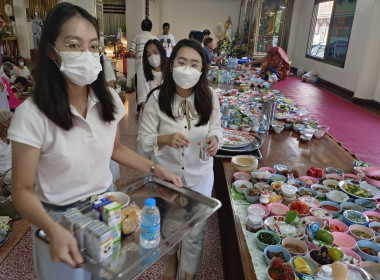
column 281, row 167
column 3, row 234
column 352, row 206
column 347, row 219
column 251, row 199
column 369, row 244
column 277, row 177
column 374, row 224
column 298, row 184
column 330, row 170
column 276, row 249
column 335, row 213
column 288, row 125
column 275, row 91
column 309, row 190
column 361, row 163
column 367, row 205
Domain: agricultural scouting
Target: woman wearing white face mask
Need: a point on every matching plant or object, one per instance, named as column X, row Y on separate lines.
column 64, row 136
column 178, row 116
column 150, row 75
column 21, row 70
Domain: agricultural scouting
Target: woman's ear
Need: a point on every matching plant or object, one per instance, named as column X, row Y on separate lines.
column 51, row 53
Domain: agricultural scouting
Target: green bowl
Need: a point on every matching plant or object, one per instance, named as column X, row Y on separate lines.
column 312, row 264
column 262, row 245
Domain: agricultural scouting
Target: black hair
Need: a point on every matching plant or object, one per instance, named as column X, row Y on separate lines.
column 1, row 16
column 191, row 34
column 166, row 24
column 23, row 81
column 146, row 66
column 206, row 32
column 207, row 41
column 202, row 93
column 50, row 91
column 19, row 58
column 146, row 25
column 6, row 59
column 198, row 36
column 12, row 18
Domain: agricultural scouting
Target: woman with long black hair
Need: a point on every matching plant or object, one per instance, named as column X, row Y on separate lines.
column 180, row 117
column 64, row 137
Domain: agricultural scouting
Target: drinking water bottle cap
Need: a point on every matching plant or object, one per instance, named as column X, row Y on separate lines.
column 150, row 202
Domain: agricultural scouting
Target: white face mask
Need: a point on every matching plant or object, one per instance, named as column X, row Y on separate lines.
column 186, row 77
column 21, row 63
column 154, row 60
column 81, row 70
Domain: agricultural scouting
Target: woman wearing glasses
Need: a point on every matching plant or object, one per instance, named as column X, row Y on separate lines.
column 64, row 137
column 178, row 116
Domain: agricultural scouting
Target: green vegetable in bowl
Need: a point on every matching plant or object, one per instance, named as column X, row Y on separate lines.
column 267, row 238
column 356, row 190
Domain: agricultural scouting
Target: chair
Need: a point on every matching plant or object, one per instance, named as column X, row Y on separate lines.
column 13, row 101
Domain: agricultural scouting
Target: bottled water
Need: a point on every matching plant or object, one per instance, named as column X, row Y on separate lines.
column 324, row 274
column 150, row 225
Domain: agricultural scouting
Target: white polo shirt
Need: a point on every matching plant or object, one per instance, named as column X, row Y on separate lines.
column 73, row 164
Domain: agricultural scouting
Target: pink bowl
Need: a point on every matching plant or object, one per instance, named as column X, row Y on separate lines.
column 305, row 179
column 324, row 127
column 372, row 213
column 242, row 176
column 372, row 171
column 260, row 206
column 310, row 245
column 351, row 177
column 358, row 169
column 343, row 240
column 270, row 169
column 342, row 225
column 334, row 177
column 277, row 209
column 372, row 182
column 351, row 253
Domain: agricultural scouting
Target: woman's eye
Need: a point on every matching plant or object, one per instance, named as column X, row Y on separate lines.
column 181, row 63
column 73, row 45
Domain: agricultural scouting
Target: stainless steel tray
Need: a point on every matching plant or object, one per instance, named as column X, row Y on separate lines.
column 129, row 259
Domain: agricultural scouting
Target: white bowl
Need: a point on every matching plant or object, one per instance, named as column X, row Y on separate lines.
column 319, row 133
column 337, row 196
column 244, row 163
column 239, row 183
column 277, row 128
column 123, row 198
column 320, row 194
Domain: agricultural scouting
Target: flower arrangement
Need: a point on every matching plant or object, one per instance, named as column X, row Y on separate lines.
column 224, row 45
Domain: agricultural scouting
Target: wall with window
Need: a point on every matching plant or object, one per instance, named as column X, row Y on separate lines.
column 348, row 76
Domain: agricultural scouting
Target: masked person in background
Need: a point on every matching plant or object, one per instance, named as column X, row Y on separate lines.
column 64, row 137
column 178, row 116
column 150, row 75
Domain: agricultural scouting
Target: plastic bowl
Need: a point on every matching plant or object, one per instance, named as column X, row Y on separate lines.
column 372, row 181
column 281, row 167
column 343, row 240
column 239, row 183
column 270, row 169
column 123, row 198
column 351, row 206
column 252, row 207
column 337, row 196
column 277, row 128
column 372, row 171
column 334, row 170
column 361, row 163
column 352, row 253
column 334, row 177
column 333, row 204
column 295, row 241
column 348, row 176
column 277, row 177
column 371, row 268
column 375, row 224
column 324, row 127
column 368, row 244
column 332, row 184
column 242, row 176
column 348, row 220
column 249, row 198
column 321, row 213
column 366, row 204
column 308, row 180
column 319, row 133
column 262, row 245
column 313, row 192
column 363, row 229
column 316, row 186
column 371, row 215
column 312, row 264
column 298, row 184
column 342, row 225
column 277, row 209
column 320, row 222
column 244, row 163
column 276, row 249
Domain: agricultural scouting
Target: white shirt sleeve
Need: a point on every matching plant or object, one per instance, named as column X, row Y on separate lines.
column 148, row 128
column 172, row 41
column 142, row 86
column 120, row 108
column 133, row 44
column 215, row 122
column 108, row 70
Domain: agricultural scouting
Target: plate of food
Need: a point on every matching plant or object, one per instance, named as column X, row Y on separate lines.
column 280, row 227
column 5, row 228
column 359, row 190
column 237, row 139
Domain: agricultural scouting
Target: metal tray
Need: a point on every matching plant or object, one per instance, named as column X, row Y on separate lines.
column 129, row 259
column 229, row 154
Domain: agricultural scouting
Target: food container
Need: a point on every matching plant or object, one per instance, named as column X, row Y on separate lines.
column 343, row 240
column 277, row 209
column 244, row 163
column 241, row 185
column 242, row 176
column 312, row 264
column 295, row 246
column 254, row 210
column 336, row 223
column 332, row 207
column 263, row 245
column 288, row 191
column 276, row 249
column 363, row 253
column 321, row 190
column 254, row 223
column 358, row 232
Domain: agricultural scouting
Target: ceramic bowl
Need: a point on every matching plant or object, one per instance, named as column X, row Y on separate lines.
column 294, row 241
column 277, row 209
column 262, row 245
column 332, row 184
column 375, row 226
column 252, row 210
column 371, row 268
column 244, row 163
column 368, row 244
column 123, row 198
column 312, row 264
column 367, row 205
column 281, row 167
column 249, row 198
column 373, row 216
column 245, row 127
column 276, row 249
column 242, row 185
column 270, row 278
column 318, row 188
column 334, row 170
column 360, row 218
column 307, row 192
column 372, row 171
column 338, row 223
column 308, row 180
column 337, row 196
column 312, row 219
column 377, row 240
column 242, row 176
column 364, row 229
column 278, row 128
column 351, row 206
column 325, row 204
column 343, row 240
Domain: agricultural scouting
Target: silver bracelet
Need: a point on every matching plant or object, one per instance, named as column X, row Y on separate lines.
column 153, row 169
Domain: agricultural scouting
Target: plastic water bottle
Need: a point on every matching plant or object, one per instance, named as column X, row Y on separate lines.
column 325, row 273
column 150, row 225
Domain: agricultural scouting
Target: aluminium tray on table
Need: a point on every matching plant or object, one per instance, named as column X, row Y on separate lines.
column 181, row 209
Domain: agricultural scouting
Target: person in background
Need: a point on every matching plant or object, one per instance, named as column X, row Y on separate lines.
column 166, row 39
column 209, row 47
column 206, row 33
column 198, row 37
column 13, row 25
column 21, row 70
column 5, row 147
column 8, row 72
column 136, row 50
column 276, row 61
column 3, row 60
column 191, row 34
column 150, row 75
column 19, row 86
column 64, row 137
column 181, row 114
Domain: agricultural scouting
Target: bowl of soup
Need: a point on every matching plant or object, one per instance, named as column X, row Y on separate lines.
column 332, row 207
column 368, row 250
column 359, row 232
column 375, row 226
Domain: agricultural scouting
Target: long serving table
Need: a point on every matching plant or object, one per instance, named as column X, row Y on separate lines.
column 285, row 148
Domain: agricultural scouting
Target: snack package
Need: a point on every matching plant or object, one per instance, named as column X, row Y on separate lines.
column 130, row 219
column 112, row 218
